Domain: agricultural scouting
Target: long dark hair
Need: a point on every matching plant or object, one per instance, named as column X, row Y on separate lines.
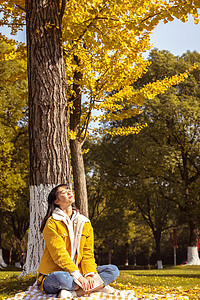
column 51, row 205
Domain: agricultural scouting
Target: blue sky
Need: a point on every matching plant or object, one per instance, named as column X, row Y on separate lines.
column 176, row 36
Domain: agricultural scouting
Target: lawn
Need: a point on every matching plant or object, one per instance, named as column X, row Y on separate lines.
column 10, row 284
column 180, row 280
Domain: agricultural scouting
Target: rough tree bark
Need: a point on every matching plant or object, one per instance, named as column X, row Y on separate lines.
column 48, row 134
column 77, row 162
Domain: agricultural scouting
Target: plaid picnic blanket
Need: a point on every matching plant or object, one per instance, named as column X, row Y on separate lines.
column 35, row 293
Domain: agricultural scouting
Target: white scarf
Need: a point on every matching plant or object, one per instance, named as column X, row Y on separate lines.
column 75, row 228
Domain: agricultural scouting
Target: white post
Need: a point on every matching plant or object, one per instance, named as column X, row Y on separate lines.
column 160, row 265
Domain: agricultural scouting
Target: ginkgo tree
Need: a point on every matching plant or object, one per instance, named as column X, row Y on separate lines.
column 13, row 145
column 94, row 47
column 104, row 54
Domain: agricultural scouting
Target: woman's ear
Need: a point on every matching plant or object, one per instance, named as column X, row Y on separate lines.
column 56, row 201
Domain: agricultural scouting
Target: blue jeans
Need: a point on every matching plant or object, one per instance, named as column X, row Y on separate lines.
column 61, row 280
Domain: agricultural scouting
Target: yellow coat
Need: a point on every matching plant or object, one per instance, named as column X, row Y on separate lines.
column 57, row 252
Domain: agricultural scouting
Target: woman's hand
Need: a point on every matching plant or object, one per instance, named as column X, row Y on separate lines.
column 84, row 282
column 91, row 282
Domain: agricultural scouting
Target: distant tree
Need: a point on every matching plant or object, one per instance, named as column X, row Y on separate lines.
column 116, row 225
column 159, row 167
column 135, row 182
column 174, row 124
column 14, row 171
column 112, row 222
column 166, row 153
column 152, row 199
column 104, row 56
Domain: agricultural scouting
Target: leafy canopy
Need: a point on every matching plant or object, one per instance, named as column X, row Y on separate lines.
column 14, row 161
column 13, row 123
column 105, row 41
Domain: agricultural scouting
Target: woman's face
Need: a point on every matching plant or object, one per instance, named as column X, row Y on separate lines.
column 65, row 197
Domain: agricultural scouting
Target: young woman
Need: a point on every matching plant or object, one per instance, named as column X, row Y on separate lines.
column 68, row 266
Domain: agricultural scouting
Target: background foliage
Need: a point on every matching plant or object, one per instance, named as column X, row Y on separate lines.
column 14, row 174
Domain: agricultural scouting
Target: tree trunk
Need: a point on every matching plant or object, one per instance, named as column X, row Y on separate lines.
column 0, row 234
column 109, row 256
column 192, row 254
column 157, row 236
column 79, row 179
column 48, row 134
column 134, row 252
column 2, row 262
column 77, row 162
column 10, row 255
column 134, row 260
column 193, row 238
column 126, row 253
column 109, row 252
column 100, row 252
column 192, row 250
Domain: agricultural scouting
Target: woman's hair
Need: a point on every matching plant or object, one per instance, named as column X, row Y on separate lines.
column 51, row 205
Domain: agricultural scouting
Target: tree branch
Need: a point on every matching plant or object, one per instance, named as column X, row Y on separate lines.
column 86, row 127
column 10, row 24
column 63, row 5
column 20, row 7
column 168, row 227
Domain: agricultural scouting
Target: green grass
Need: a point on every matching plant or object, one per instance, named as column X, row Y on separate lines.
column 180, row 280
column 185, row 276
column 10, row 284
